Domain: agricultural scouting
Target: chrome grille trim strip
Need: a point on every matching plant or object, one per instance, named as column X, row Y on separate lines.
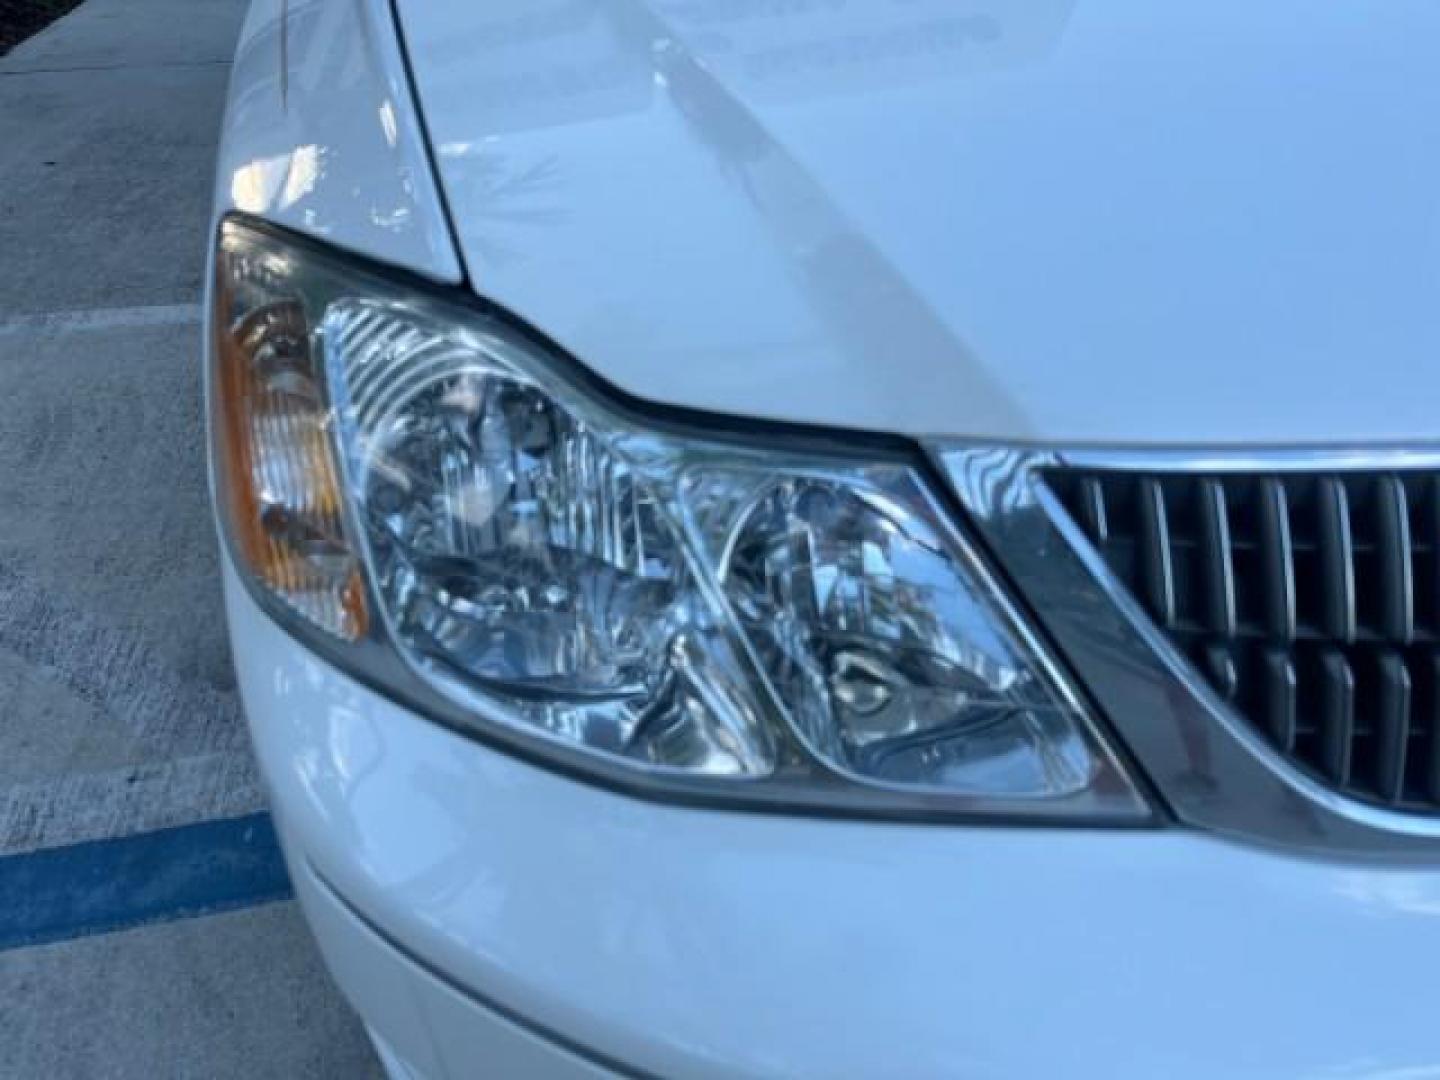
column 1215, row 770
column 1240, row 460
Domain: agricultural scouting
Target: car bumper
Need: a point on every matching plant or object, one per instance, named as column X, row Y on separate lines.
column 483, row 914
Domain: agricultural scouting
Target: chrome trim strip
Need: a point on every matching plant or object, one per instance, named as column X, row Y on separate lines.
column 1215, row 770
column 1222, row 460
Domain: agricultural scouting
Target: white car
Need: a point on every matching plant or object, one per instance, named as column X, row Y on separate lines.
column 783, row 538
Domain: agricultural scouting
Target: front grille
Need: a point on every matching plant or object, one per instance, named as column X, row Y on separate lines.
column 1310, row 601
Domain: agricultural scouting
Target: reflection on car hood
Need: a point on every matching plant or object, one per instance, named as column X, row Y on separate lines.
column 1114, row 221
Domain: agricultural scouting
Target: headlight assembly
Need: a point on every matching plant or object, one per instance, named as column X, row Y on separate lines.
column 446, row 508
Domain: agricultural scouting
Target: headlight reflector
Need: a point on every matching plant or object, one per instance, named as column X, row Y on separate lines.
column 890, row 658
column 792, row 624
column 516, row 551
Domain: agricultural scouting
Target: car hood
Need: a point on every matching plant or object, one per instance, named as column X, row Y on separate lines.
column 1065, row 222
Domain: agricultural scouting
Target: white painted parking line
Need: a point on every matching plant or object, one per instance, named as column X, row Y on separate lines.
column 123, row 318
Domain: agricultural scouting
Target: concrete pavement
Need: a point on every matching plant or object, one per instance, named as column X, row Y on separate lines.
column 105, row 177
column 235, row 995
column 118, row 713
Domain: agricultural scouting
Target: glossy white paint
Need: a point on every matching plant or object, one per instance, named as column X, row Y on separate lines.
column 1107, row 221
column 702, row 944
column 1114, row 221
column 321, row 134
column 430, row 1031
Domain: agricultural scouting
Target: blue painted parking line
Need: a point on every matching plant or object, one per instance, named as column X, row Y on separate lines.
column 104, row 885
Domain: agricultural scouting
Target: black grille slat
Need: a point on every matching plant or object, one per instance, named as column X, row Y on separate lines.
column 1281, row 692
column 1337, row 716
column 1308, row 600
column 1279, row 559
column 1223, row 672
column 1219, row 566
column 1337, row 560
column 1396, row 577
column 1092, row 510
column 1155, row 554
column 1392, row 734
column 1425, row 542
column 1431, row 720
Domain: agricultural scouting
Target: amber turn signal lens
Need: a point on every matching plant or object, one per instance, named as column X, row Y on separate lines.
column 275, row 471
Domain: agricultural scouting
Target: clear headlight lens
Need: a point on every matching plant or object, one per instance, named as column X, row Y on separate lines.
column 771, row 624
column 516, row 551
column 873, row 629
